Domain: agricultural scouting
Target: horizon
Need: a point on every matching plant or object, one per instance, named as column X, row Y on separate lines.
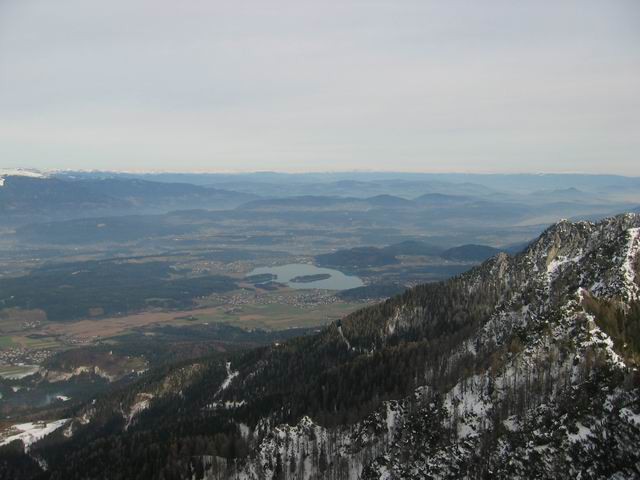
column 309, row 172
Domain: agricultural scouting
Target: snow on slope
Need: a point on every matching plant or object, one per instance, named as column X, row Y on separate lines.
column 633, row 247
column 31, row 432
column 229, row 404
column 227, row 381
column 143, row 400
column 343, row 337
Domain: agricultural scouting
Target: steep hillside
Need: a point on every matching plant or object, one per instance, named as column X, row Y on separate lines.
column 524, row 367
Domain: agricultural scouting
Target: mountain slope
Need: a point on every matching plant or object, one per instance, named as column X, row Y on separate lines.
column 523, row 367
column 541, row 390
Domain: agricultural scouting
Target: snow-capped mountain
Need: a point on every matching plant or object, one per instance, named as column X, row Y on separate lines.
column 19, row 172
column 524, row 367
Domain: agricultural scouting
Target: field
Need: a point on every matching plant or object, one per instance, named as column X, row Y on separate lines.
column 19, row 340
column 268, row 317
column 16, row 371
column 86, row 330
column 279, row 316
column 28, row 338
column 36, row 343
column 282, row 309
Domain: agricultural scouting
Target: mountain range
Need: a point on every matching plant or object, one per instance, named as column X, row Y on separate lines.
column 31, row 197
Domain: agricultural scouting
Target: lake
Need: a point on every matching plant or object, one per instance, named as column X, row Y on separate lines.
column 285, row 273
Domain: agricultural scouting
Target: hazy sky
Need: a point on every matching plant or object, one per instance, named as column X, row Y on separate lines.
column 479, row 86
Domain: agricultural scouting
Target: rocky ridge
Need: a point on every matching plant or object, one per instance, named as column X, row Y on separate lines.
column 547, row 392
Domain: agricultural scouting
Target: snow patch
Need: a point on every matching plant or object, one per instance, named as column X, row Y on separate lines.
column 85, row 418
column 629, row 274
column 628, row 415
column 598, row 338
column 229, row 404
column 68, row 431
column 245, row 430
column 511, row 424
column 581, row 436
column 227, row 381
column 391, row 417
column 468, row 405
column 144, row 400
column 343, row 337
column 31, row 432
column 559, row 262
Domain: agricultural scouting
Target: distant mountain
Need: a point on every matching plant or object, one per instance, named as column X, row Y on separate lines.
column 438, row 199
column 443, row 200
column 327, row 202
column 414, row 247
column 418, row 185
column 376, row 291
column 135, row 190
column 359, row 257
column 523, row 367
column 299, row 202
column 388, row 201
column 470, row 253
column 24, row 195
column 456, row 202
column 362, row 257
column 462, row 183
column 570, row 194
column 29, row 196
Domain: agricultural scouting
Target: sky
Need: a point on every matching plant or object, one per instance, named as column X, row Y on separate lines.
column 399, row 85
